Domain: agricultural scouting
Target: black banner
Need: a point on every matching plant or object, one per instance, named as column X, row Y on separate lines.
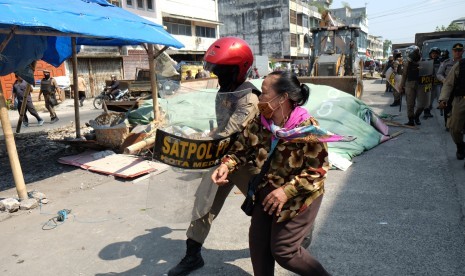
column 188, row 153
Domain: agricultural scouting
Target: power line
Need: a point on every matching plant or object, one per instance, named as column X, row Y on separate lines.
column 398, row 8
column 420, row 10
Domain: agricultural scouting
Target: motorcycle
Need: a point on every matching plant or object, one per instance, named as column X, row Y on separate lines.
column 105, row 95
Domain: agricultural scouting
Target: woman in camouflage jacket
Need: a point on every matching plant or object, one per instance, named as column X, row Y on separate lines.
column 290, row 193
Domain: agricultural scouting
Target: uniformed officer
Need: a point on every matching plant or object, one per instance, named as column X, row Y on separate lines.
column 397, row 54
column 48, row 87
column 230, row 59
column 409, row 84
column 434, row 54
column 443, row 71
column 19, row 89
column 386, row 67
column 454, row 87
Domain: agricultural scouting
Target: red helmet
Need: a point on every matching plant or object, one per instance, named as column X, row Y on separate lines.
column 232, row 52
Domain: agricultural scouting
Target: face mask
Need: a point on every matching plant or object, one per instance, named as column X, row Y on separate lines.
column 266, row 109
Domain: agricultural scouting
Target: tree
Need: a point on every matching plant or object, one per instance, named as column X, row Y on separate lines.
column 451, row 27
column 345, row 4
column 386, row 46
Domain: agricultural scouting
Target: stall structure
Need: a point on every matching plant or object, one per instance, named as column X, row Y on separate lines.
column 52, row 30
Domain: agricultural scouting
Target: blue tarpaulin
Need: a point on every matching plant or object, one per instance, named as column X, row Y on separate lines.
column 43, row 30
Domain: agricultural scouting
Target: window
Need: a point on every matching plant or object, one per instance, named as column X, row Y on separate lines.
column 293, row 16
column 299, row 19
column 305, row 21
column 177, row 26
column 129, row 3
column 115, row 2
column 149, row 4
column 140, row 4
column 205, row 31
column 293, row 40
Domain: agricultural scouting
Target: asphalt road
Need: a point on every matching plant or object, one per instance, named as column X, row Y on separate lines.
column 65, row 112
column 398, row 210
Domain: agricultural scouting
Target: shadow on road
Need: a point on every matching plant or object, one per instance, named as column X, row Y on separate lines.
column 158, row 254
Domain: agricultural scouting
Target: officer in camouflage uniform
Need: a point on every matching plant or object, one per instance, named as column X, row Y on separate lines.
column 443, row 71
column 383, row 74
column 454, row 87
column 409, row 83
column 48, row 87
column 397, row 54
column 434, row 55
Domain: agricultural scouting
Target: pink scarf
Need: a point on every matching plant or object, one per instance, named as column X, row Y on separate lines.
column 305, row 134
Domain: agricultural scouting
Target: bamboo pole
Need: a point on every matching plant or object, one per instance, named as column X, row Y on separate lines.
column 75, row 88
column 23, row 108
column 153, row 82
column 11, row 149
column 134, row 148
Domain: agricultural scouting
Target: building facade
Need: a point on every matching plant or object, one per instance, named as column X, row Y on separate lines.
column 375, row 47
column 272, row 28
column 354, row 17
column 194, row 23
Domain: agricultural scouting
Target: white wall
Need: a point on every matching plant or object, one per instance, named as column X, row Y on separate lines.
column 204, row 9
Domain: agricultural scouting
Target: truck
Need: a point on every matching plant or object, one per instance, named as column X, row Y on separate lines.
column 334, row 60
column 141, row 86
column 442, row 40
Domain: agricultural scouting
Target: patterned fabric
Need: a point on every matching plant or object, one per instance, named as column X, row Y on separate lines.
column 300, row 167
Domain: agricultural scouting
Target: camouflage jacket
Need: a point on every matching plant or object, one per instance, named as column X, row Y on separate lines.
column 300, row 168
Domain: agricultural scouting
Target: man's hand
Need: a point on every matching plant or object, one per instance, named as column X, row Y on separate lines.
column 274, row 201
column 220, row 175
column 442, row 105
column 401, row 90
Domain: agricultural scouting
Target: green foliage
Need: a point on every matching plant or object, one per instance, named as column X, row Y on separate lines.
column 451, row 27
column 345, row 4
column 319, row 6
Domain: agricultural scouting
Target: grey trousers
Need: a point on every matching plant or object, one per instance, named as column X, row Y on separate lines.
column 457, row 119
column 415, row 97
column 49, row 106
column 198, row 229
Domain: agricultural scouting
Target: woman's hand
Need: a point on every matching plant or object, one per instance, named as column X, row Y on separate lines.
column 220, row 175
column 274, row 201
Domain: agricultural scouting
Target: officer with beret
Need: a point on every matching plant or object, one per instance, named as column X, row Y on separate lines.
column 48, row 87
column 454, row 87
column 443, row 71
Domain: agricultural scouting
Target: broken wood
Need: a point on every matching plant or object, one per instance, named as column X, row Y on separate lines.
column 135, row 148
column 397, row 124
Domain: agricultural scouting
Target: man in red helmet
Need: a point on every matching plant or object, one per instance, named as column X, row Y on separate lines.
column 230, row 59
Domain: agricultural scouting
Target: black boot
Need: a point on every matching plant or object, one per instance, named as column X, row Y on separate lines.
column 460, row 154
column 192, row 261
column 427, row 113
column 417, row 120
column 410, row 122
column 395, row 103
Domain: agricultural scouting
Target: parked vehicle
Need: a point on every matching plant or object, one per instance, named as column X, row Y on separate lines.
column 334, row 61
column 141, row 86
column 105, row 95
column 442, row 40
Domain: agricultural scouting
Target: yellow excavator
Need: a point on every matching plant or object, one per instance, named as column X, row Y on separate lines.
column 334, row 60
